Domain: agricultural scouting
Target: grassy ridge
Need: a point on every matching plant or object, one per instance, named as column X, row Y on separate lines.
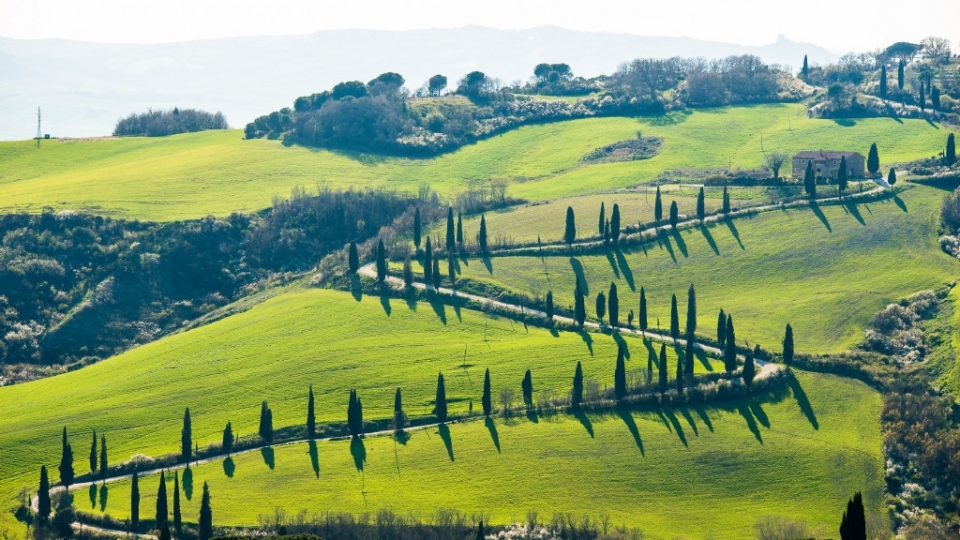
column 826, row 275
column 216, row 172
column 695, row 472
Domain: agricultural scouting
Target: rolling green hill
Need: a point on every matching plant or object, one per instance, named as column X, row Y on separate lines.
column 194, row 175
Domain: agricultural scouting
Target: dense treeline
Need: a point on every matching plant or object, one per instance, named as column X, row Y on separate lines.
column 159, row 123
column 75, row 286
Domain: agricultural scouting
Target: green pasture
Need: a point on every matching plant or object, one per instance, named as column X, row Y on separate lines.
column 694, row 472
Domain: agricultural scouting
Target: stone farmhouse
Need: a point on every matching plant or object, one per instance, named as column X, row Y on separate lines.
column 826, row 163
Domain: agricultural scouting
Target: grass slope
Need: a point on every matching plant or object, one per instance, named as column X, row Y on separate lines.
column 194, row 175
column 695, row 472
column 826, row 275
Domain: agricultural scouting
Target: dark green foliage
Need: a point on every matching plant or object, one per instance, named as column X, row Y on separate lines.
column 66, row 462
column 526, row 386
column 226, row 443
column 749, row 368
column 620, row 376
column 399, row 417
column 805, row 70
column 436, row 275
column 651, row 360
column 935, row 98
column 615, row 224
column 459, row 229
column 842, row 175
column 381, row 262
column 417, row 228
column 485, row 399
column 266, row 423
column 451, row 270
column 601, row 225
column 730, row 347
column 549, row 309
column 408, row 272
column 355, row 415
column 642, row 322
column 354, row 258
column 576, row 396
column 658, row 207
column 810, row 181
column 892, row 176
column 93, row 453
column 134, row 500
column 103, row 456
column 160, row 123
column 440, row 402
column 701, row 205
column 164, row 532
column 177, row 518
column 883, row 81
column 688, row 355
column 722, row 328
column 436, row 84
column 43, row 496
column 873, row 160
column 853, row 524
column 482, row 237
column 579, row 308
column 428, row 263
column 64, row 517
column 679, row 381
column 186, row 438
column 726, row 200
column 674, row 318
column 922, row 99
column 691, row 310
column 311, row 416
column 570, row 230
column 162, row 512
column 601, row 306
column 662, row 368
column 674, row 214
column 206, row 515
column 451, row 235
column 788, row 345
column 480, row 533
column 900, row 75
column 950, row 157
column 614, row 304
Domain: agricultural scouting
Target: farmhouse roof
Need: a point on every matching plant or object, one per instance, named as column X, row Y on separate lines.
column 824, row 154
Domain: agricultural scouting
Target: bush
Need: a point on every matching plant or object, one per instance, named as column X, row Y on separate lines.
column 160, row 123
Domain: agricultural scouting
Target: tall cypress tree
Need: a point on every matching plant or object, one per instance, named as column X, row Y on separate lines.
column 688, row 355
column 266, row 428
column 749, row 368
column 186, row 438
column 311, row 416
column 842, row 175
column 354, row 258
column 674, row 214
column 853, row 525
column 900, row 75
column 923, row 98
column 485, row 399
column 480, row 533
column 883, row 81
column 730, row 347
column 810, row 181
column 66, row 462
column 579, row 309
column 662, row 368
column 381, row 262
column 950, row 156
column 440, row 402
column 436, row 275
column 164, row 532
column 788, row 345
column 226, row 443
column 651, row 360
column 691, row 310
column 726, row 200
column 451, row 236
column 615, row 224
column 162, row 501
column 892, row 177
column 620, row 375
column 805, row 70
column 459, row 229
column 43, row 496
column 527, row 387
column 658, row 207
column 601, row 306
column 601, row 225
column 93, row 453
column 176, row 502
column 103, row 457
column 570, row 230
column 134, row 500
column 873, row 160
column 643, row 310
column 417, row 228
column 701, row 205
column 679, row 381
column 674, row 318
column 428, row 263
column 549, row 309
column 576, row 396
column 722, row 329
column 482, row 237
column 399, row 418
column 206, row 515
column 614, row 304
column 451, row 270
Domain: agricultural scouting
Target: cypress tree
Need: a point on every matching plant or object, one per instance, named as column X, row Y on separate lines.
column 381, row 262
column 186, row 438
column 873, row 160
column 726, row 200
column 451, row 270
column 691, row 310
column 804, row 70
column 810, row 181
column 651, row 359
column 614, row 304
column 176, row 502
column 549, row 310
column 103, row 457
column 162, row 501
column 311, row 416
column 788, row 345
column 417, row 228
column 206, row 515
column 853, row 525
column 408, row 272
column 658, row 207
column 134, row 500
column 679, row 380
column 428, row 263
column 923, row 99
column 749, row 368
column 576, row 396
column 482, row 237
column 226, row 443
column 951, row 154
column 620, row 376
column 485, row 399
column 662, row 368
column 527, row 387
column 674, row 214
column 688, row 356
column 570, row 231
column 459, row 229
column 643, row 310
column 579, row 309
column 730, row 347
column 674, row 318
column 601, row 225
column 440, row 402
column 399, row 418
column 883, row 81
column 892, row 177
column 722, row 329
column 43, row 496
column 93, row 453
column 842, row 175
column 354, row 258
column 701, row 205
column 451, row 236
column 66, row 462
column 164, row 532
column 900, row 75
column 437, row 276
column 480, row 534
column 615, row 224
column 606, row 233
column 601, row 306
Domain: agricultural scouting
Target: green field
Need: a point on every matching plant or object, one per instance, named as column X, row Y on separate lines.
column 690, row 472
column 826, row 275
column 194, row 175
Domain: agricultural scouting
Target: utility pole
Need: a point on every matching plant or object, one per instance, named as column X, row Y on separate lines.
column 39, row 132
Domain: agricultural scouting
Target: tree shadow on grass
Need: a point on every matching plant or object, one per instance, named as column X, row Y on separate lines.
column 488, row 264
column 411, row 301
column 663, row 240
column 401, row 437
column 681, row 245
column 314, row 458
column 268, row 457
column 704, row 417
column 492, row 428
column 439, row 308
column 734, row 231
column 581, row 277
column 820, row 215
column 445, row 435
column 625, row 270
column 689, row 419
column 803, row 402
column 385, row 303
column 229, row 467
column 359, row 452
column 705, row 231
column 103, row 497
column 622, row 343
column 356, row 290
column 759, row 413
column 93, row 495
column 677, row 428
column 702, row 357
column 532, row 415
column 587, row 339
column 744, row 411
column 186, row 480
column 632, row 426
column 900, row 204
column 587, row 425
column 851, row 208
column 613, row 263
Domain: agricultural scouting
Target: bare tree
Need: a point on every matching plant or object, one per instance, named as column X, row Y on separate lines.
column 507, row 397
column 651, row 74
column 936, row 49
column 775, row 160
column 498, row 189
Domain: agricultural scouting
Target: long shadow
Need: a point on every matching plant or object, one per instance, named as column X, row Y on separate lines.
column 689, row 419
column 186, row 481
column 402, row 437
column 314, row 458
column 355, row 289
column 734, row 231
column 93, row 495
column 359, row 452
column 587, row 425
column 385, row 303
column 613, row 263
column 803, row 402
column 702, row 357
column 229, row 467
column 681, row 245
column 625, row 270
column 532, row 416
column 663, row 240
column 492, row 428
column 759, row 413
column 663, row 419
column 819, row 213
column 488, row 264
column 268, row 457
column 677, row 428
column 900, row 204
column 411, row 301
column 705, row 231
column 456, row 309
column 744, row 411
column 704, row 417
column 440, row 309
column 632, row 426
column 445, row 435
column 581, row 277
column 587, row 339
column 852, row 209
column 103, row 497
column 623, row 345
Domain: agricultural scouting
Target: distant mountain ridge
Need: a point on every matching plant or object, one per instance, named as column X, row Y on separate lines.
column 84, row 88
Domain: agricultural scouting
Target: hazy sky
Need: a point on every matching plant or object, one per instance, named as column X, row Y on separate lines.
column 842, row 25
